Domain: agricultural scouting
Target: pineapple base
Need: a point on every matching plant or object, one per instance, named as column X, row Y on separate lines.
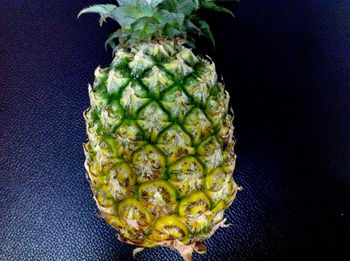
column 185, row 250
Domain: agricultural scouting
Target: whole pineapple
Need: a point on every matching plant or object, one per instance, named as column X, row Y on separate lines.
column 160, row 154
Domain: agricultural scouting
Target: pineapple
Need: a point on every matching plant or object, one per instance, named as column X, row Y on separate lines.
column 160, row 151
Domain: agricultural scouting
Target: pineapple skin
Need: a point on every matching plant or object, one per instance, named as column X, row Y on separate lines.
column 160, row 151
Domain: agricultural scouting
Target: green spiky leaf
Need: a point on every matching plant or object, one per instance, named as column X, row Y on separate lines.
column 103, row 10
column 203, row 25
column 145, row 27
column 165, row 17
column 126, row 2
column 142, row 22
column 126, row 15
column 149, row 19
column 152, row 3
column 214, row 7
column 190, row 26
column 111, row 38
column 185, row 7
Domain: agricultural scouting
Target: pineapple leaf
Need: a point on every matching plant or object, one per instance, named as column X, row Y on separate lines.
column 192, row 27
column 152, row 3
column 128, row 14
column 203, row 25
column 185, row 7
column 145, row 27
column 103, row 10
column 148, row 19
column 126, row 2
column 171, row 31
column 110, row 40
column 165, row 17
column 212, row 6
column 151, row 28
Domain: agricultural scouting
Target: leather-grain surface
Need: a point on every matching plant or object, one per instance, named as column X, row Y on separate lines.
column 286, row 65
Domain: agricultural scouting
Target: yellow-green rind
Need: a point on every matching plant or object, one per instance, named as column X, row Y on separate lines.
column 160, row 151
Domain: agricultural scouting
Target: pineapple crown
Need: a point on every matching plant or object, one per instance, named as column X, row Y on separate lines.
column 145, row 20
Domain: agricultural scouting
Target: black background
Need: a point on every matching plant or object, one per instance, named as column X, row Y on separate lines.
column 286, row 65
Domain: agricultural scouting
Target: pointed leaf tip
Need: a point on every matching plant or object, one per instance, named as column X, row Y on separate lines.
column 103, row 10
column 214, row 7
column 110, row 40
column 204, row 26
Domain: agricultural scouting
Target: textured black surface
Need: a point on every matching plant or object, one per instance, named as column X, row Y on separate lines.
column 287, row 67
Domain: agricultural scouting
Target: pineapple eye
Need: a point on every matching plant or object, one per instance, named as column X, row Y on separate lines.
column 198, row 125
column 111, row 115
column 159, row 196
column 207, row 147
column 153, row 120
column 133, row 213
column 128, row 139
column 218, row 212
column 207, row 72
column 104, row 197
column 188, row 56
column 97, row 98
column 210, row 153
column 121, row 58
column 216, row 179
column 178, row 68
column 148, row 163
column 227, row 192
column 196, row 203
column 176, row 102
column 108, row 147
column 140, row 63
column 186, row 175
column 134, row 96
column 124, row 230
column 93, row 167
column 121, row 180
column 157, row 80
column 219, row 207
column 170, row 228
column 123, row 173
column 175, row 143
column 115, row 81
column 197, row 88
